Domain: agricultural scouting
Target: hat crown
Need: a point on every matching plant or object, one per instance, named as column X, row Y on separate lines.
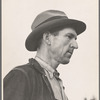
column 42, row 17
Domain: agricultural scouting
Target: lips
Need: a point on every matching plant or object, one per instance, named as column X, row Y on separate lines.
column 71, row 52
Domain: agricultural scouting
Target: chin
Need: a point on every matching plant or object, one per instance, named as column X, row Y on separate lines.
column 65, row 62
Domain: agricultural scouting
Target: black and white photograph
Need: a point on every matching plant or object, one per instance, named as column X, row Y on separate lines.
column 50, row 50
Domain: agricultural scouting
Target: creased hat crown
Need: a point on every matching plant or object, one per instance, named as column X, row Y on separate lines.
column 44, row 16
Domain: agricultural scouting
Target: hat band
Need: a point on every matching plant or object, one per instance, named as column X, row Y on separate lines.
column 52, row 18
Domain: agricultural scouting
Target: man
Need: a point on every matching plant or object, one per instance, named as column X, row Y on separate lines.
column 54, row 37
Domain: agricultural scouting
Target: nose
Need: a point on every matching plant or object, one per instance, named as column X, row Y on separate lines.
column 74, row 44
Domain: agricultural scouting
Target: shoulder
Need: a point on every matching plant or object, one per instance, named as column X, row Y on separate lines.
column 31, row 70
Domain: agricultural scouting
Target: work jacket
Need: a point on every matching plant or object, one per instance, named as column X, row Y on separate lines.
column 27, row 82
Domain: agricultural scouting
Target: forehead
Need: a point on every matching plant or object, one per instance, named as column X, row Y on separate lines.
column 66, row 31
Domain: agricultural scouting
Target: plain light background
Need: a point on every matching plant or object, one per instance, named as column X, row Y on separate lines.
column 81, row 76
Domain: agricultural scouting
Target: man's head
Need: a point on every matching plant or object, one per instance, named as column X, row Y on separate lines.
column 55, row 32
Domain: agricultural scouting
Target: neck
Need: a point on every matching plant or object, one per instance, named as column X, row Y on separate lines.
column 44, row 55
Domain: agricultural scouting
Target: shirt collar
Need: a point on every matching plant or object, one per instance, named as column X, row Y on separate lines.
column 45, row 66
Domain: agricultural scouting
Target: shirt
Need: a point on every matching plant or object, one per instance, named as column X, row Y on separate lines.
column 56, row 83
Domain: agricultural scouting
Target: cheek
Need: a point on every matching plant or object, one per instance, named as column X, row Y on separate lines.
column 60, row 49
column 65, row 48
column 59, row 46
column 56, row 48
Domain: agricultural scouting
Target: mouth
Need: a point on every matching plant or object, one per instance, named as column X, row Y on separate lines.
column 68, row 54
column 71, row 52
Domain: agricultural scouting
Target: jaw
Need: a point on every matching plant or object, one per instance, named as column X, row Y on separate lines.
column 63, row 60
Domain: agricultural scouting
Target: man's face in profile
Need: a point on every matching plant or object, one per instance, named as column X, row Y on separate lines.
column 63, row 45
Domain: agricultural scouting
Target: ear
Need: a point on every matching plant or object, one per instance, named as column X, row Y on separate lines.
column 46, row 38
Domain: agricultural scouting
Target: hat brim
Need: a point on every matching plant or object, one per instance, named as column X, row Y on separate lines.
column 35, row 35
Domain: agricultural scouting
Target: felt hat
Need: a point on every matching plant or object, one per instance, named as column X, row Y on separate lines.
column 48, row 20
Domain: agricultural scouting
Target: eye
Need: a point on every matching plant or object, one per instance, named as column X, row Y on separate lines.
column 69, row 36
